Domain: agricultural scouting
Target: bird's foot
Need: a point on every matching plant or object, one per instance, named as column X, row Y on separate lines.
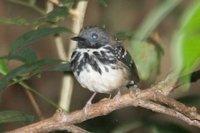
column 89, row 103
column 104, row 99
column 86, row 107
column 135, row 92
column 117, row 95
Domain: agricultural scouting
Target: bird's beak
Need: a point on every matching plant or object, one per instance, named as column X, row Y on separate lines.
column 77, row 38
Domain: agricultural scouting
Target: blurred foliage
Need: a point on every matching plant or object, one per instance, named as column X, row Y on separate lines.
column 186, row 43
column 166, row 127
column 15, row 21
column 19, row 51
column 31, row 36
column 131, row 126
column 57, row 14
column 30, row 4
column 8, row 116
column 153, row 19
column 193, row 100
column 151, row 126
column 3, row 66
column 49, row 19
column 26, row 55
column 103, row 2
column 163, row 126
column 149, row 60
column 26, row 69
column 147, row 55
column 123, row 35
column 146, row 49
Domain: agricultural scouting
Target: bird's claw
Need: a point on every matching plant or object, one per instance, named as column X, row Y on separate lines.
column 117, row 95
column 87, row 106
column 104, row 99
column 89, row 103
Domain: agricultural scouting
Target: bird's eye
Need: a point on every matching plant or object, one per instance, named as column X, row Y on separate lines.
column 94, row 36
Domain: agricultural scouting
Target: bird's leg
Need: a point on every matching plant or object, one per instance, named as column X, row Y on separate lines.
column 110, row 95
column 136, row 90
column 118, row 94
column 89, row 102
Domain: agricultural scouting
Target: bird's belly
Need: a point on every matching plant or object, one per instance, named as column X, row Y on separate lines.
column 105, row 82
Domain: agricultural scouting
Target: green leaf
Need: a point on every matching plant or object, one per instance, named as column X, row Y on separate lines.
column 30, row 4
column 24, row 22
column 186, row 43
column 103, row 2
column 14, row 21
column 31, row 36
column 15, row 116
column 123, row 35
column 57, row 14
column 67, row 3
column 26, row 55
column 24, row 69
column 3, row 66
column 63, row 67
column 147, row 57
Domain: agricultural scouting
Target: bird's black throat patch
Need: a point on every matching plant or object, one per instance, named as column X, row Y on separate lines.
column 81, row 60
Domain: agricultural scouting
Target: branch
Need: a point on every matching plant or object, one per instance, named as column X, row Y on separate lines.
column 56, row 2
column 151, row 98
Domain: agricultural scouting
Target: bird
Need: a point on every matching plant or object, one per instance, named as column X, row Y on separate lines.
column 100, row 63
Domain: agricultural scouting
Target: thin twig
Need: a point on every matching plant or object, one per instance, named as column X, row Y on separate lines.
column 34, row 104
column 67, row 83
column 40, row 95
column 31, row 98
column 62, row 55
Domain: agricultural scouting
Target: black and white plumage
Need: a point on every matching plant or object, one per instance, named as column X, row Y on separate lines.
column 100, row 63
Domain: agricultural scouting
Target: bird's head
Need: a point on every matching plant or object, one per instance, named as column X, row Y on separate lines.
column 92, row 37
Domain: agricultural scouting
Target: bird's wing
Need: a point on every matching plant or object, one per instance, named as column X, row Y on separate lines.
column 123, row 56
